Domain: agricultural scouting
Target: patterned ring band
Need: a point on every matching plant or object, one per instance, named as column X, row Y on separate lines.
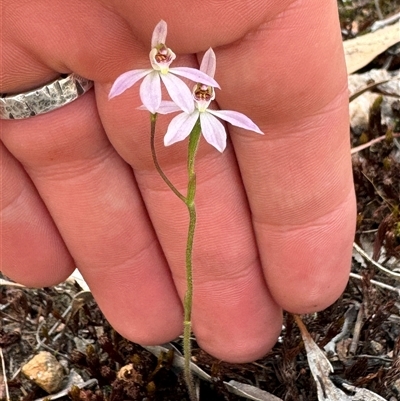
column 49, row 97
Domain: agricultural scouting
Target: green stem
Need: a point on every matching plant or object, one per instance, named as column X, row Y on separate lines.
column 194, row 139
column 188, row 200
column 153, row 119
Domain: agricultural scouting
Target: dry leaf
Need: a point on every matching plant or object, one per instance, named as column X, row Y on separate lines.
column 363, row 49
column 321, row 368
column 250, row 392
column 77, row 277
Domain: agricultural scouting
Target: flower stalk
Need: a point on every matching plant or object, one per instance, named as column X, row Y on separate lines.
column 195, row 120
column 194, row 139
column 153, row 119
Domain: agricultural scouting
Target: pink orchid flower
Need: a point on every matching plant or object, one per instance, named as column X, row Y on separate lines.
column 212, row 129
column 150, row 90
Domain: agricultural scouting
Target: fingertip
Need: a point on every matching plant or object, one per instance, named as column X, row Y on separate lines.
column 243, row 346
column 45, row 262
column 33, row 252
column 148, row 333
column 139, row 301
column 320, row 297
column 313, row 271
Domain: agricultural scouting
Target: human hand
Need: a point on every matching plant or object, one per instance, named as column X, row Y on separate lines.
column 275, row 212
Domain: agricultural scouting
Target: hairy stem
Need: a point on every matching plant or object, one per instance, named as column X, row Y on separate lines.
column 187, row 324
column 187, row 327
column 153, row 119
column 188, row 200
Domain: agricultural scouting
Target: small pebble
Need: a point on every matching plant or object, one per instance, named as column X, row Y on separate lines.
column 396, row 386
column 377, row 348
column 45, row 371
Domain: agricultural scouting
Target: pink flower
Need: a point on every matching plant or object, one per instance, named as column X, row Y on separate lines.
column 150, row 90
column 212, row 129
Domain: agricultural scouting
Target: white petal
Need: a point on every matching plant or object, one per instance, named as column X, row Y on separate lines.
column 126, row 80
column 159, row 34
column 194, row 75
column 167, row 107
column 179, row 92
column 150, row 91
column 180, row 127
column 237, row 119
column 208, row 63
column 213, row 131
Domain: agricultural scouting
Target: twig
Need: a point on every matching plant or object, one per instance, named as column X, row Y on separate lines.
column 357, row 331
column 372, row 85
column 10, row 283
column 350, row 317
column 3, row 368
column 40, row 343
column 57, row 323
column 378, row 9
column 381, row 24
column 377, row 357
column 370, row 143
column 377, row 283
column 376, row 264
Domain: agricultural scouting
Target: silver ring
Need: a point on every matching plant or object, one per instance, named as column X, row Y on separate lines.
column 49, row 97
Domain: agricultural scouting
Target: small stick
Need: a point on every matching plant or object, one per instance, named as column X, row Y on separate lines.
column 40, row 343
column 376, row 264
column 377, row 283
column 381, row 24
column 378, row 10
column 3, row 367
column 350, row 317
column 370, row 143
column 357, row 331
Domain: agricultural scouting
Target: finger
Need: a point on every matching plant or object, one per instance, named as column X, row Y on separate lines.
column 67, row 37
column 100, row 51
column 225, row 22
column 92, row 196
column 32, row 251
column 293, row 83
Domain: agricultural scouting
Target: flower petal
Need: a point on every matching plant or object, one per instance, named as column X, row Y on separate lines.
column 126, row 80
column 179, row 92
column 159, row 34
column 195, row 76
column 208, row 63
column 150, row 91
column 167, row 107
column 237, row 119
column 213, row 131
column 180, row 127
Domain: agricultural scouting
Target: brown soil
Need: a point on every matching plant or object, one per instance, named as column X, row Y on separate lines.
column 372, row 361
